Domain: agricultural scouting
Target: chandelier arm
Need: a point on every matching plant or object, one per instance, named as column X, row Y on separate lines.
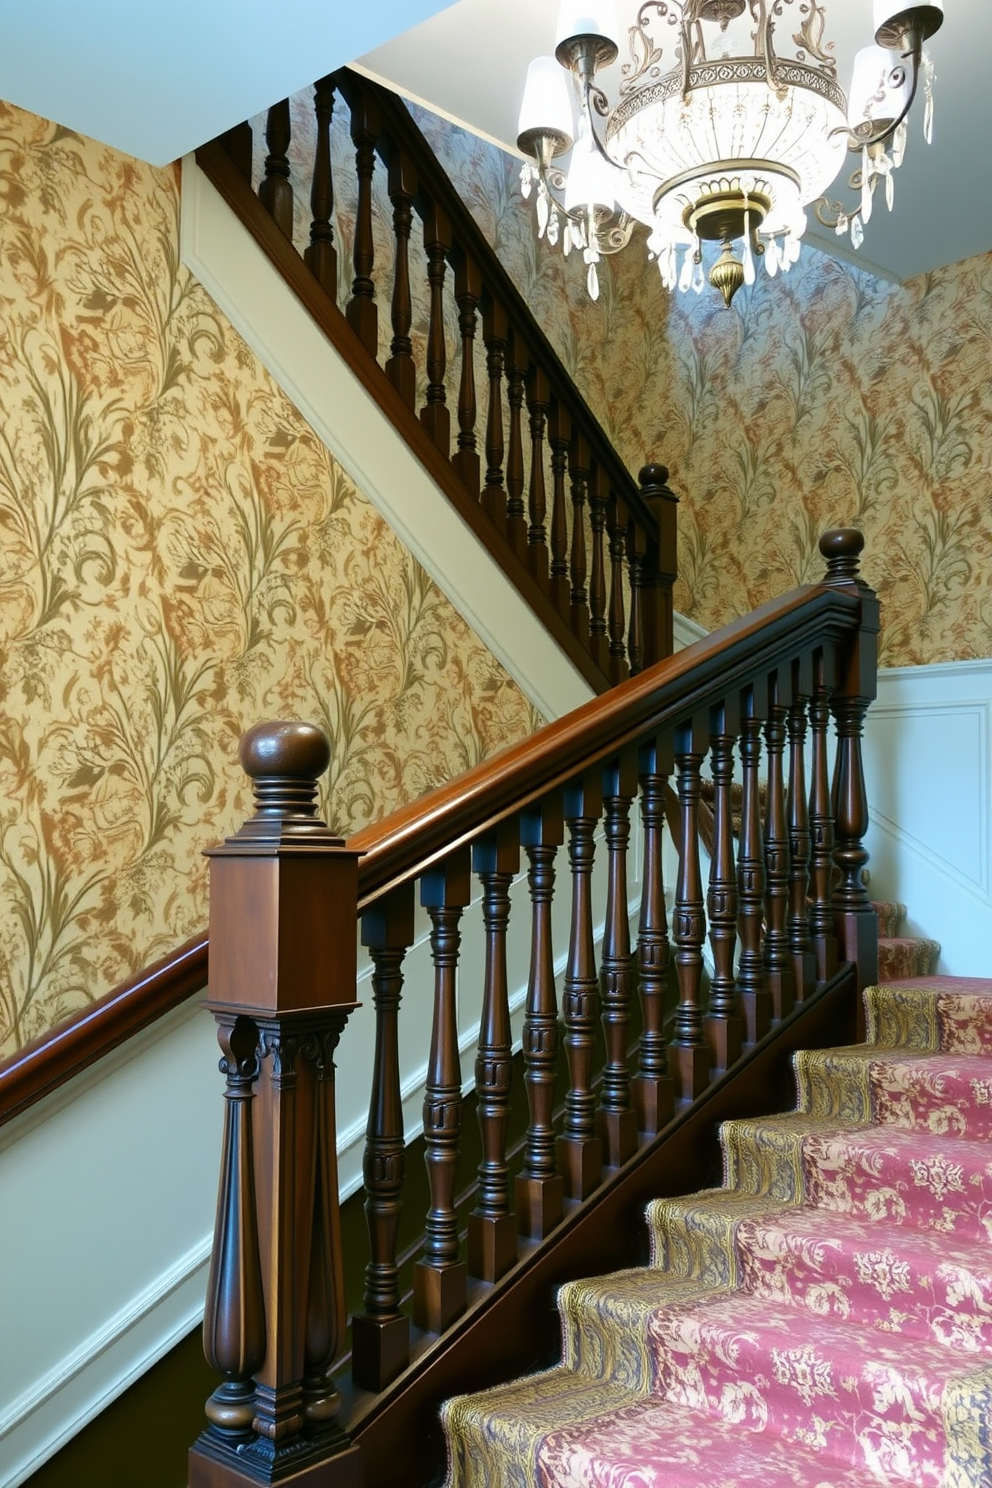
column 896, row 79
column 600, row 147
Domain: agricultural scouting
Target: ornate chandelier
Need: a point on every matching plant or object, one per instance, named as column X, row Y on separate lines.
column 729, row 122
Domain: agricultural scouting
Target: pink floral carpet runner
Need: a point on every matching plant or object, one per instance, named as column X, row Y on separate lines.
column 824, row 1320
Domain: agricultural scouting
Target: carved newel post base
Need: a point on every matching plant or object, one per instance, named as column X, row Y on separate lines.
column 283, row 903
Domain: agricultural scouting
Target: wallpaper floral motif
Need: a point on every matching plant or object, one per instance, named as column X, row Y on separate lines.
column 179, row 557
column 823, row 397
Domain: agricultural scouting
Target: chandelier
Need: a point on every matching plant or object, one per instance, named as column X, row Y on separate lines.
column 728, row 121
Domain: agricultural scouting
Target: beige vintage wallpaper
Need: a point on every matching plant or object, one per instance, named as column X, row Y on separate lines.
column 822, row 397
column 179, row 557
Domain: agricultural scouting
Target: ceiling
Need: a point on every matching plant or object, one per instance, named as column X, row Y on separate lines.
column 469, row 62
column 155, row 79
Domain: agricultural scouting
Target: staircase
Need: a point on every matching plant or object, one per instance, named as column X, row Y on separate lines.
column 824, row 1318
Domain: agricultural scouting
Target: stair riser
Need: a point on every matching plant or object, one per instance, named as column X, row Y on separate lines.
column 933, row 1014
column 925, row 1095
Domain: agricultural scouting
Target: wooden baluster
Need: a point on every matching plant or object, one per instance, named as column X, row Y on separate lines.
column 661, row 563
column 321, row 256
column 821, row 911
column 653, row 1092
column 636, row 555
column 492, row 1229
column 559, row 437
column 435, row 415
column 284, row 894
column 238, row 145
column 579, row 461
column 539, row 1189
column 275, row 192
column 855, row 920
column 468, row 293
column 800, row 949
column 234, row 1318
column 381, row 1334
column 580, row 1152
column 616, row 517
column 778, row 962
column 538, row 402
column 690, row 1057
column 440, row 1278
column 325, row 1296
column 362, row 311
column 401, row 369
column 753, row 1000
column 616, row 1118
column 495, row 333
column 599, row 495
column 723, row 1026
column 517, row 363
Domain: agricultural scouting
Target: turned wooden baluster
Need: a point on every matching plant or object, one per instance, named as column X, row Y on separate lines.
column 362, row 311
column 559, row 438
column 275, row 192
column 435, row 415
column 616, row 1118
column 468, row 293
column 821, row 820
column 660, row 569
column 538, row 402
column 753, row 1000
column 855, row 920
column 440, row 1278
column 321, row 256
column 238, row 145
column 401, row 369
column 580, row 1152
column 617, row 526
column 690, row 1060
column 234, row 1318
column 494, row 334
column 284, row 893
column 492, row 1229
column 778, row 962
column 539, row 1188
column 599, row 495
column 636, row 555
column 381, row 1334
column 652, row 1088
column 579, row 461
column 517, row 363
column 723, row 1025
column 800, row 949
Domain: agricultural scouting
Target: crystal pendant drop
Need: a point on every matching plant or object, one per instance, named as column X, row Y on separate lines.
column 842, row 224
column 928, row 81
column 685, row 277
column 865, row 186
column 592, row 282
column 857, row 232
column 899, row 144
column 543, row 211
column 527, row 174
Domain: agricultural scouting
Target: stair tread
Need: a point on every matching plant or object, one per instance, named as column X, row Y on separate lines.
column 941, row 1093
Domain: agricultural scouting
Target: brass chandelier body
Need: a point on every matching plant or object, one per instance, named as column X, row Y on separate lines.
column 729, row 120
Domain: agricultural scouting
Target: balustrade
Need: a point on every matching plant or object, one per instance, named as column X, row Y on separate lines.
column 642, row 1027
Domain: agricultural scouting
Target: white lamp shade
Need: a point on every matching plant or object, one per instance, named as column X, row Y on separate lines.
column 590, row 177
column 546, row 106
column 871, row 95
column 587, row 18
column 886, row 11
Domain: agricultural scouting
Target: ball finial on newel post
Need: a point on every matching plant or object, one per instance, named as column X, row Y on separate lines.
column 285, row 760
column 842, row 548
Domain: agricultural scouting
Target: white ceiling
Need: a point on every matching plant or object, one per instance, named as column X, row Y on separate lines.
column 469, row 62
column 155, row 78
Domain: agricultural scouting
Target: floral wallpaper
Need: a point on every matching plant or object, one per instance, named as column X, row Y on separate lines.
column 179, row 557
column 825, row 396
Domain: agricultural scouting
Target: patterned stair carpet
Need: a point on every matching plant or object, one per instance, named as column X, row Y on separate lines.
column 901, row 956
column 824, row 1320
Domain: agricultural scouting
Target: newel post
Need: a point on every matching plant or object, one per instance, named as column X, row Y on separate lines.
column 283, row 904
column 660, row 568
column 855, row 921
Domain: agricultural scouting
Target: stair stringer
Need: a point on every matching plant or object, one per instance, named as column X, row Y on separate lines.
column 223, row 256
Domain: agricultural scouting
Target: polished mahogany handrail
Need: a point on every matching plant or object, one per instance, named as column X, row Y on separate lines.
column 408, row 841
column 48, row 1061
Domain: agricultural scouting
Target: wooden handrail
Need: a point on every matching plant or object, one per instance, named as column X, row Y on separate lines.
column 48, row 1061
column 600, row 582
